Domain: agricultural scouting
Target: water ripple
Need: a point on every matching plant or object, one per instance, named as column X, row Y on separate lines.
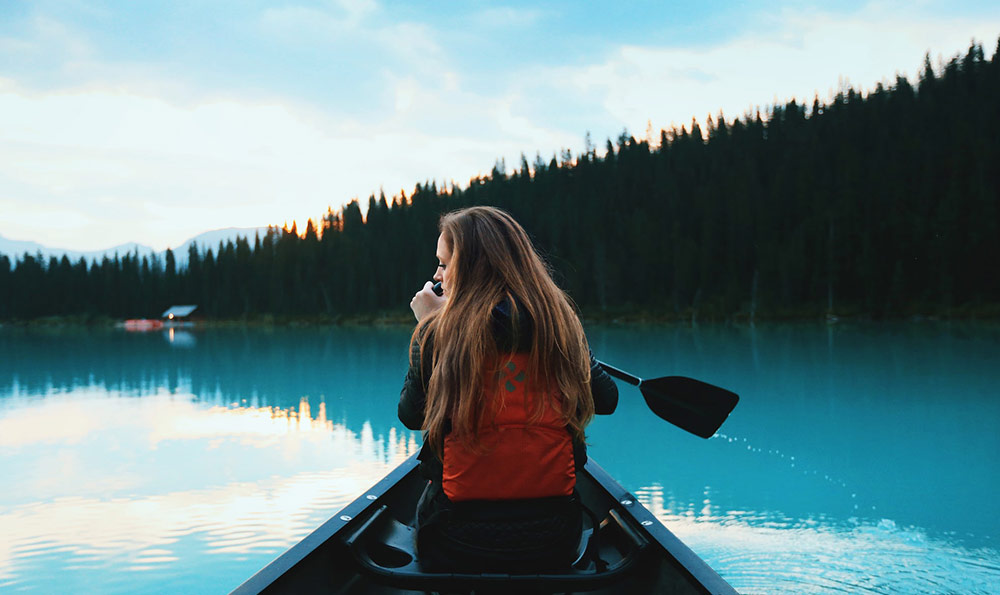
column 165, row 537
column 875, row 558
column 767, row 552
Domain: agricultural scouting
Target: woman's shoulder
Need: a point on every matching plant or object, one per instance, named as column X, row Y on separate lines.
column 512, row 325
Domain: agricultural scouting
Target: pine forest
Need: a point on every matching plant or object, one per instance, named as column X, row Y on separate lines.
column 879, row 203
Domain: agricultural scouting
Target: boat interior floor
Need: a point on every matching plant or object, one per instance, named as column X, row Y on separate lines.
column 378, row 556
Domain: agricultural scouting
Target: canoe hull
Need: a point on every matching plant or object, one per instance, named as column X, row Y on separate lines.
column 647, row 556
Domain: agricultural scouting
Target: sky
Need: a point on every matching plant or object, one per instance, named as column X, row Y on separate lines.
column 152, row 122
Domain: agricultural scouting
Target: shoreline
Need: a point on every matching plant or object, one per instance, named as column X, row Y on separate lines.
column 983, row 314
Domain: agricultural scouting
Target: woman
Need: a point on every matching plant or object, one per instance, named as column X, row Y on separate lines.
column 502, row 383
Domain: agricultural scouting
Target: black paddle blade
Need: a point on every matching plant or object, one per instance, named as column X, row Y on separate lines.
column 689, row 404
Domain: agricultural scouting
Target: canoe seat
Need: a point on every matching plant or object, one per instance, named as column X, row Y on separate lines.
column 384, row 550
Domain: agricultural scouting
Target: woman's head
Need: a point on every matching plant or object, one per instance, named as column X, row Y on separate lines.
column 485, row 246
column 488, row 259
column 443, row 273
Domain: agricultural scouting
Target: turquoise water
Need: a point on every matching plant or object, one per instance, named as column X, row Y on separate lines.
column 862, row 458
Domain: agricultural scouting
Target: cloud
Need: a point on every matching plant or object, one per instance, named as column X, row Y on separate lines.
column 508, row 17
column 51, row 37
column 361, row 36
column 301, row 25
column 159, row 171
column 799, row 54
column 158, row 160
column 160, row 157
column 414, row 44
column 105, row 151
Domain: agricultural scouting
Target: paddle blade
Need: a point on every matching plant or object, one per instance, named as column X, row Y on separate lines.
column 689, row 404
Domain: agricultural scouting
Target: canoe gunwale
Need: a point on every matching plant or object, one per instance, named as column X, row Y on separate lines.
column 674, row 551
column 687, row 561
column 286, row 561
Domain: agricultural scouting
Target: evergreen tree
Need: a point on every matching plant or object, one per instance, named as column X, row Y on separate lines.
column 880, row 203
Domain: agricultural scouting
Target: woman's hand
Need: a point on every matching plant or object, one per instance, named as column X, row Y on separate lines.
column 426, row 301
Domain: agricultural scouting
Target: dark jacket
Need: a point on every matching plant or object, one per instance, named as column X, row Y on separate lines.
column 413, row 397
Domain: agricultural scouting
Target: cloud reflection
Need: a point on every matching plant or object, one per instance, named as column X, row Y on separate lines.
column 767, row 552
column 137, row 484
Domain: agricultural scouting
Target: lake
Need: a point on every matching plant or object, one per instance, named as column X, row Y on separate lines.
column 861, row 458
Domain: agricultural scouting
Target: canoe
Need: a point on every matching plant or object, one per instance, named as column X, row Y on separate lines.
column 367, row 547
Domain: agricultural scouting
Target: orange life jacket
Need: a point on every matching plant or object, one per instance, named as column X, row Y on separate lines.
column 519, row 459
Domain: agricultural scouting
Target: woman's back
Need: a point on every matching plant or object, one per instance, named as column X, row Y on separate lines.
column 502, row 383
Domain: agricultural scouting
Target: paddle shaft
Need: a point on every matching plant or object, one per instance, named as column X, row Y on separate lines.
column 620, row 374
column 689, row 404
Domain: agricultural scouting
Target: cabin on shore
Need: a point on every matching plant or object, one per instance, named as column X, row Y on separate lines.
column 175, row 316
column 178, row 313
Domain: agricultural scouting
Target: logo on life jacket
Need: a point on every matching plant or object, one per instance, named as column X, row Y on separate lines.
column 520, row 459
column 511, row 367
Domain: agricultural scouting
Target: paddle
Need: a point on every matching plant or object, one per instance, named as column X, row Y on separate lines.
column 689, row 404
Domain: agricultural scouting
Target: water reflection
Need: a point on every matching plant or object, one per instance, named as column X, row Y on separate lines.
column 361, row 368
column 765, row 553
column 142, row 463
column 139, row 467
column 180, row 338
column 888, row 421
column 861, row 457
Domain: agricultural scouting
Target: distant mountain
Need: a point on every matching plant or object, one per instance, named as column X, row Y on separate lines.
column 211, row 239
column 15, row 249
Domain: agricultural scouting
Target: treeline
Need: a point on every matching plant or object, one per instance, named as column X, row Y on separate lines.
column 882, row 203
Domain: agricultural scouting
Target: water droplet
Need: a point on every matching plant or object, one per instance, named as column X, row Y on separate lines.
column 345, row 517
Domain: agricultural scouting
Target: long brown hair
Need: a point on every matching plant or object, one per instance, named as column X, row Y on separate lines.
column 492, row 260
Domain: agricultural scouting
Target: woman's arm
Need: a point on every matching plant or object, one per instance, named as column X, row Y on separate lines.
column 603, row 388
column 413, row 397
